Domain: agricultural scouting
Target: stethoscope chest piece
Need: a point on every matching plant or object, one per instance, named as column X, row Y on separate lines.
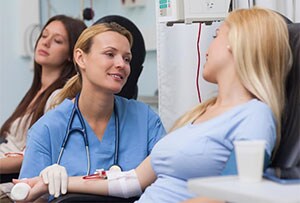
column 115, row 168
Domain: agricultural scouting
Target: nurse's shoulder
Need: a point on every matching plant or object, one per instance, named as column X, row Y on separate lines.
column 53, row 119
column 132, row 106
column 142, row 117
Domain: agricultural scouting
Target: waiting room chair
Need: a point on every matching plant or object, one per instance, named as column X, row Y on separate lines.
column 287, row 159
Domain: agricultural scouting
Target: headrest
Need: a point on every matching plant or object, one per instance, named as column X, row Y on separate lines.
column 288, row 154
column 138, row 53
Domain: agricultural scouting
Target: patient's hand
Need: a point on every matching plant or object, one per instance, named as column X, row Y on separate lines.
column 38, row 188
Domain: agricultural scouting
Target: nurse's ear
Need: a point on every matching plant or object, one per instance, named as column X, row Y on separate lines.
column 79, row 58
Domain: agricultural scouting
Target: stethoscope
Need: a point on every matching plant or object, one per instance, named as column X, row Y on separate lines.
column 83, row 132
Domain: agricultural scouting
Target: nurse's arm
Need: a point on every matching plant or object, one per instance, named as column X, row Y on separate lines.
column 144, row 171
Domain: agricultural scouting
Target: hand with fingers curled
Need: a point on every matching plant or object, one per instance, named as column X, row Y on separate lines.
column 20, row 191
column 28, row 190
column 56, row 177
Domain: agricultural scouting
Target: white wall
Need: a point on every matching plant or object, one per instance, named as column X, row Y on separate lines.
column 177, row 60
column 177, row 68
column 15, row 73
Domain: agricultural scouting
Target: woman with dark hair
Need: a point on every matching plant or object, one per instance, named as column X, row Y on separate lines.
column 53, row 66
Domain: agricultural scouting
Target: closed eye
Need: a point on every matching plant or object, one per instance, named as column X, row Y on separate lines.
column 58, row 41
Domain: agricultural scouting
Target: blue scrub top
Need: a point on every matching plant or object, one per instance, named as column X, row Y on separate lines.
column 202, row 150
column 140, row 128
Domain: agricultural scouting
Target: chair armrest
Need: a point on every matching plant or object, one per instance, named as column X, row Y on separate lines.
column 78, row 197
column 4, row 178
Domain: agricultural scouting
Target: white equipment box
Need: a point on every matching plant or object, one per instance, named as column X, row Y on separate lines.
column 189, row 11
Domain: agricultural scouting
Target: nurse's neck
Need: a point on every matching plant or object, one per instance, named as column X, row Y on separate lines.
column 96, row 107
column 96, row 110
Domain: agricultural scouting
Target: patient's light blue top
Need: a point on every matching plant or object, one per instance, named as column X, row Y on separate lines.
column 140, row 128
column 202, row 150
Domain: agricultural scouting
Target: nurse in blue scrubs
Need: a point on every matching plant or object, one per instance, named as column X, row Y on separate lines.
column 120, row 132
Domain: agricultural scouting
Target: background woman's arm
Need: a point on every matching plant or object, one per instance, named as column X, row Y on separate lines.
column 10, row 164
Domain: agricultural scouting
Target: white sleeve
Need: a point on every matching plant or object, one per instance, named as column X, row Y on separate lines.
column 50, row 100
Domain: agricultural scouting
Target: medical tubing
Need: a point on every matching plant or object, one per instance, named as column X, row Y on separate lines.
column 88, row 159
column 60, row 155
column 198, row 66
column 80, row 130
column 81, row 119
column 84, row 134
column 117, row 135
column 66, row 138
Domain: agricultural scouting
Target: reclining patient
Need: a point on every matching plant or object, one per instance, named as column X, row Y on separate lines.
column 53, row 66
column 249, row 64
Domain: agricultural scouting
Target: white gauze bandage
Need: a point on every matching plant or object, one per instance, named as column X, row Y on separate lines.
column 123, row 184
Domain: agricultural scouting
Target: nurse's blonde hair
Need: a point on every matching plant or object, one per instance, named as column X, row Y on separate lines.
column 260, row 46
column 84, row 42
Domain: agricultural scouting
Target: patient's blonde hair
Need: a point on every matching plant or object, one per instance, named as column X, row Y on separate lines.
column 260, row 45
column 84, row 42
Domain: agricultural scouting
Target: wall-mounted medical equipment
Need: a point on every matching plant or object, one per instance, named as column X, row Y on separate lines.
column 189, row 11
column 133, row 3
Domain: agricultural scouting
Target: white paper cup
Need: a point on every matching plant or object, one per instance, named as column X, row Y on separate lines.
column 250, row 159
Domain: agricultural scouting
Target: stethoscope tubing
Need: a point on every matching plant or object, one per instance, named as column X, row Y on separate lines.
column 116, row 157
column 83, row 132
